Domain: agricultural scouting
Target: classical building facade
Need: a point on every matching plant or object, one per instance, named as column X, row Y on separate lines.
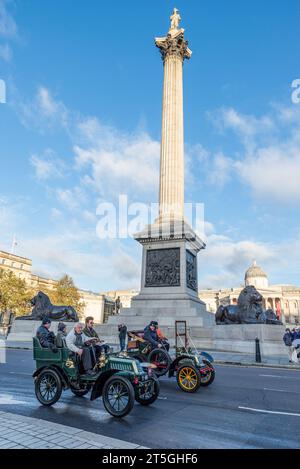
column 95, row 304
column 283, row 299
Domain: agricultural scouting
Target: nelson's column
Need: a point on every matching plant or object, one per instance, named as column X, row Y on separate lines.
column 169, row 287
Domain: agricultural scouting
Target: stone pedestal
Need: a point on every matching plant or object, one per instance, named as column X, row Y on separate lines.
column 23, row 330
column 241, row 338
column 235, row 339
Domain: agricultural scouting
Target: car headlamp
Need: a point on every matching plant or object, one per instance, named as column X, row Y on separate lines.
column 196, row 360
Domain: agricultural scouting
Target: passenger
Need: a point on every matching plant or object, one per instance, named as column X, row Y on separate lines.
column 76, row 342
column 46, row 337
column 61, row 335
column 89, row 331
column 162, row 338
column 151, row 336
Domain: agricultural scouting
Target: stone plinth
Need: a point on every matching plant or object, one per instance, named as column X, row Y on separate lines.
column 241, row 338
column 22, row 330
column 238, row 338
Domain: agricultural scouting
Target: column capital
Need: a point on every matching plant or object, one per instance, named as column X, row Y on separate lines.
column 173, row 44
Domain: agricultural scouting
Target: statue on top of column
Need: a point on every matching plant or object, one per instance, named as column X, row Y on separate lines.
column 175, row 19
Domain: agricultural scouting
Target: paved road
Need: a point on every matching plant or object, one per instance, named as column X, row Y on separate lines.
column 243, row 408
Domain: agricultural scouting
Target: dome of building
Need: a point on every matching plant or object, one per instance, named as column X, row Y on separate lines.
column 256, row 276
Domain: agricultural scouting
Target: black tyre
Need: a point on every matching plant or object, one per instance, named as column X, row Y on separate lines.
column 118, row 396
column 151, row 393
column 48, row 387
column 209, row 378
column 161, row 359
column 85, row 389
column 188, row 377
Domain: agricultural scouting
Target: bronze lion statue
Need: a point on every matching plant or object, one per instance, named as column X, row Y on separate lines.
column 42, row 307
column 249, row 310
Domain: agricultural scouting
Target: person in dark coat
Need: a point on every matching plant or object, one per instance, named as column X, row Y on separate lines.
column 151, row 336
column 288, row 340
column 61, row 335
column 122, row 328
column 46, row 337
column 89, row 331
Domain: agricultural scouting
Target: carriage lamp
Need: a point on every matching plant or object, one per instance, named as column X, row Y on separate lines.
column 70, row 363
column 196, row 360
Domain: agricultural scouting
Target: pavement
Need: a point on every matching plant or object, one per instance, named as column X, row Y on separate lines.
column 245, row 407
column 220, row 357
column 19, row 432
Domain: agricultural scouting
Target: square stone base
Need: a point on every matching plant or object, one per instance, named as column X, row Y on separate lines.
column 23, row 330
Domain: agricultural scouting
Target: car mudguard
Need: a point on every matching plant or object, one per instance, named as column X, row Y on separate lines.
column 175, row 363
column 99, row 383
column 207, row 356
column 62, row 374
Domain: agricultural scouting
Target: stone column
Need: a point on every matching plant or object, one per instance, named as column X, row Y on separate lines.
column 174, row 50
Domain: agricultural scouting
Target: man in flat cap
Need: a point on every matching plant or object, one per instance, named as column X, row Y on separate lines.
column 45, row 336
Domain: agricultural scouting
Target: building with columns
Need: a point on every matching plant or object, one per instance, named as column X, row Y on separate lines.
column 283, row 299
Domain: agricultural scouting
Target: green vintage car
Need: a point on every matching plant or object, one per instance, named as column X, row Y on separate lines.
column 120, row 381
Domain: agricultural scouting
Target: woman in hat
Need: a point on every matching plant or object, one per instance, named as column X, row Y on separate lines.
column 61, row 335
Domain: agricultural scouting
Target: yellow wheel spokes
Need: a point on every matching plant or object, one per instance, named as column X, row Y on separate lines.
column 188, row 378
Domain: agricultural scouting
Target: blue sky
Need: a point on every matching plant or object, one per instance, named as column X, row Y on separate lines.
column 82, row 124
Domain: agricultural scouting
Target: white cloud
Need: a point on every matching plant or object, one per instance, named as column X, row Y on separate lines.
column 8, row 27
column 5, row 52
column 112, row 161
column 227, row 260
column 270, row 162
column 8, row 30
column 56, row 254
column 47, row 165
column 273, row 172
column 43, row 112
column 220, row 170
column 56, row 214
column 247, row 127
column 117, row 162
column 46, row 102
column 72, row 199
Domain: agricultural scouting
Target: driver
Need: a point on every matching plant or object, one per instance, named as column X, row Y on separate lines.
column 150, row 334
column 98, row 345
column 45, row 336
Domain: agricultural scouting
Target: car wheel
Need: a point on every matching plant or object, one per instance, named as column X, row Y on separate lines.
column 188, row 377
column 161, row 359
column 118, row 396
column 150, row 394
column 48, row 387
